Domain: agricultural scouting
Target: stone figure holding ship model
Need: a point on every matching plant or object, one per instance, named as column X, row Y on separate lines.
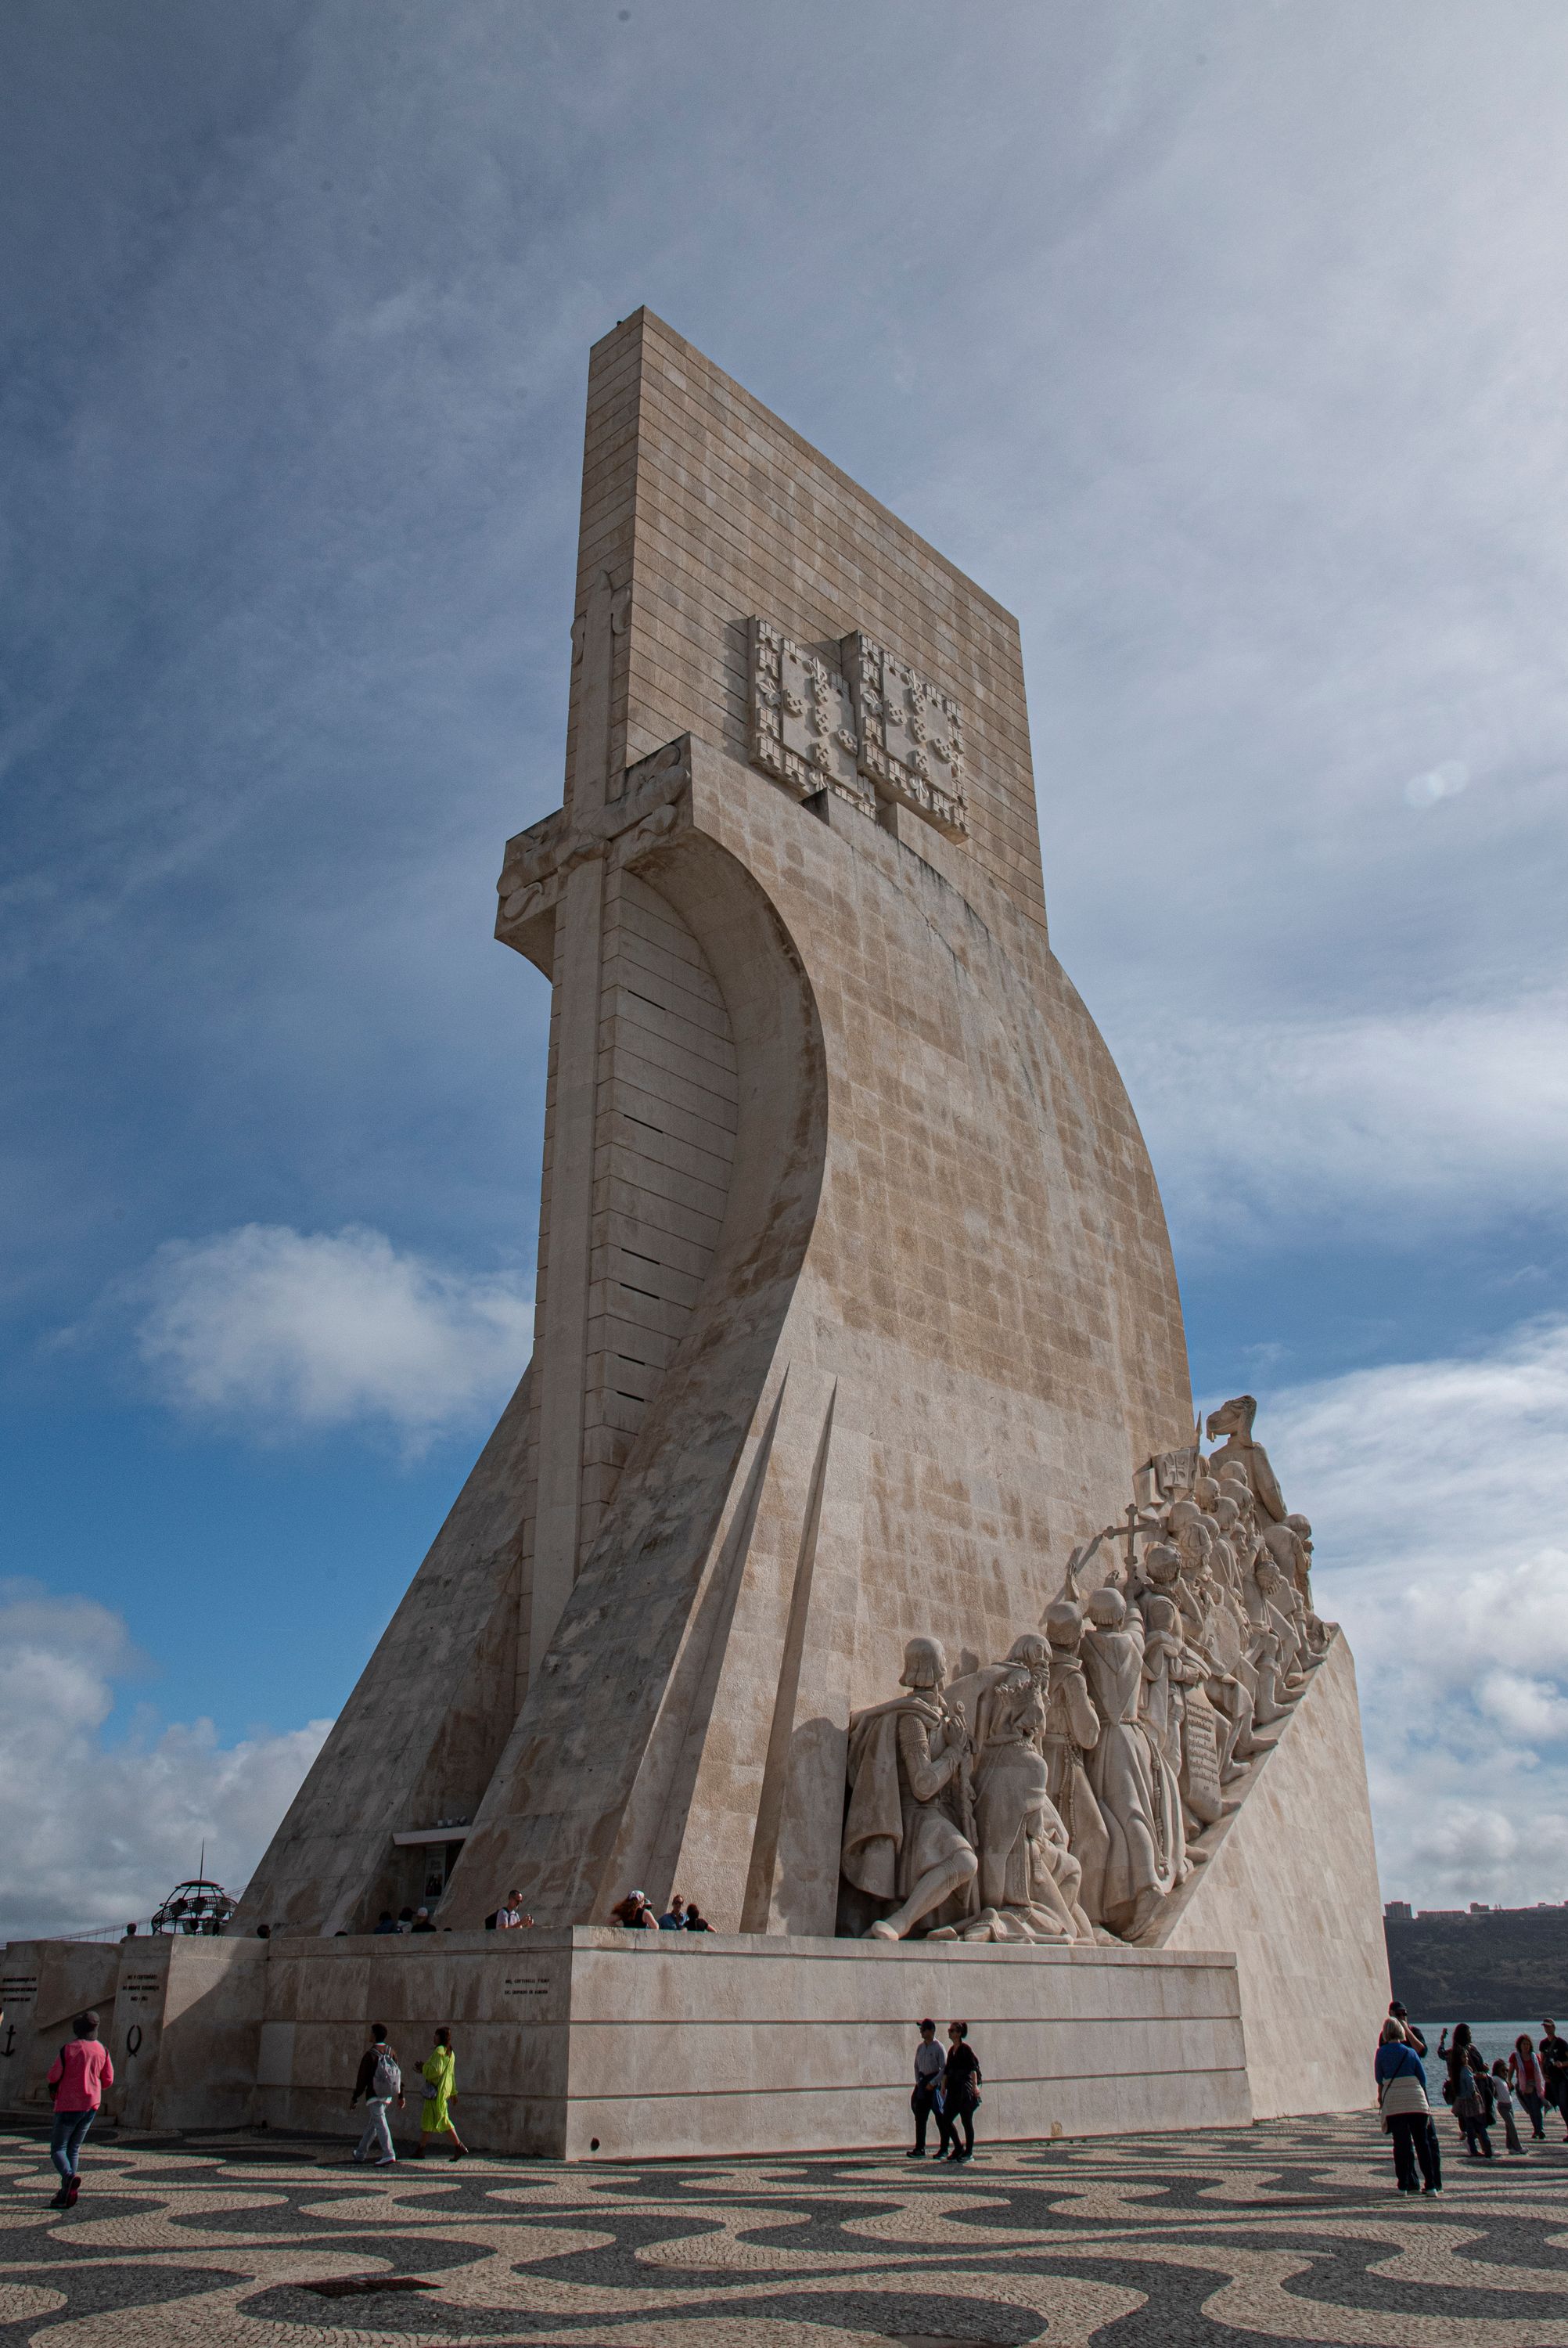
column 1064, row 1793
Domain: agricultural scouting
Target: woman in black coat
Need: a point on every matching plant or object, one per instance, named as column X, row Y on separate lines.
column 960, row 2093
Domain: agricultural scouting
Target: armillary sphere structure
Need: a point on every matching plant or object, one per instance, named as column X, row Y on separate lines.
column 197, row 1906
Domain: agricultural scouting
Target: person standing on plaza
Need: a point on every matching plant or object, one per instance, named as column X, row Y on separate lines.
column 1553, row 2053
column 1455, row 2058
column 439, row 2071
column 1406, row 2115
column 1503, row 2100
column 927, row 2096
column 1473, row 2102
column 1528, row 2081
column 960, row 2092
column 77, row 2078
column 380, row 2082
column 1411, row 2034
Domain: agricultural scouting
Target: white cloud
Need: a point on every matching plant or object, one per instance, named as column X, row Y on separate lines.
column 93, row 1834
column 1437, row 1493
column 1453, row 1115
column 284, row 1329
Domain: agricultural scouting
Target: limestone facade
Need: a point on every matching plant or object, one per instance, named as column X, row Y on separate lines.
column 855, row 1301
column 856, row 1324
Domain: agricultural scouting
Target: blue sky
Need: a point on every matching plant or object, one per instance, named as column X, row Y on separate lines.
column 1223, row 344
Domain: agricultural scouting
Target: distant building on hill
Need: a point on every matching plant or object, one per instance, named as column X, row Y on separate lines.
column 1477, row 1963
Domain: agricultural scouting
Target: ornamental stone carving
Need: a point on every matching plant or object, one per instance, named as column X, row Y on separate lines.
column 803, row 729
column 911, row 735
column 866, row 726
column 1068, row 1792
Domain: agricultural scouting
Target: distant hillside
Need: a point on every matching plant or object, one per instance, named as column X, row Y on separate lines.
column 1507, row 1964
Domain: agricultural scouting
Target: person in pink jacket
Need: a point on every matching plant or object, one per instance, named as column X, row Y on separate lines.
column 81, row 2071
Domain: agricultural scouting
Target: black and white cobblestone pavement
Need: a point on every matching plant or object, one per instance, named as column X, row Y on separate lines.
column 1286, row 2231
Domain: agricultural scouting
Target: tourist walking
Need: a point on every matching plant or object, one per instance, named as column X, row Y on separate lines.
column 77, row 2078
column 440, row 2073
column 1528, row 2081
column 1502, row 2098
column 960, row 2093
column 380, row 2082
column 1473, row 2102
column 1406, row 2115
column 1553, row 2053
column 1454, row 2056
column 927, row 2096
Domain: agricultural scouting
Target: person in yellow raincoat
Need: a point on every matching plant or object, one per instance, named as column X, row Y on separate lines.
column 439, row 2070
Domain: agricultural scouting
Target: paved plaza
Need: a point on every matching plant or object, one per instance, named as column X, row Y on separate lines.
column 1288, row 2230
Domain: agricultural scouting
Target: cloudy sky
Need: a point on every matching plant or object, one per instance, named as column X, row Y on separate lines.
column 1223, row 343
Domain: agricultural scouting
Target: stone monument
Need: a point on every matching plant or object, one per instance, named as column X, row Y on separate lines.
column 858, row 1339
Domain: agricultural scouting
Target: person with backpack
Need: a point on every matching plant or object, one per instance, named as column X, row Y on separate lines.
column 960, row 2094
column 1401, row 2082
column 77, row 2078
column 380, row 2082
column 1455, row 2059
column 1473, row 2102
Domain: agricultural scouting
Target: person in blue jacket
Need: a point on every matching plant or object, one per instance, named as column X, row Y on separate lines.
column 1406, row 2115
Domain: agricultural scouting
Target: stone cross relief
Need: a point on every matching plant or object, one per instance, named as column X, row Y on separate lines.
column 606, row 816
column 1064, row 1793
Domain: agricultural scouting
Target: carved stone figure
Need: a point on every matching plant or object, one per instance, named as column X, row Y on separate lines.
column 909, row 1830
column 1166, row 1677
column 1029, row 1881
column 1072, row 1731
column 1233, row 1420
column 1065, row 1792
column 1121, row 1767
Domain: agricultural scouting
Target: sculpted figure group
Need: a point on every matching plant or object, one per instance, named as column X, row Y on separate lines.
column 1062, row 1794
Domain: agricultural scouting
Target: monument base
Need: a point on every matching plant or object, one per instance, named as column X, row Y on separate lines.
column 587, row 2043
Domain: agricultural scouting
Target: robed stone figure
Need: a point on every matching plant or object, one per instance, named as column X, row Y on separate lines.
column 909, row 1831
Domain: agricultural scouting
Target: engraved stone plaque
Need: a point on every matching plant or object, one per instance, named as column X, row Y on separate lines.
column 802, row 719
column 911, row 735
